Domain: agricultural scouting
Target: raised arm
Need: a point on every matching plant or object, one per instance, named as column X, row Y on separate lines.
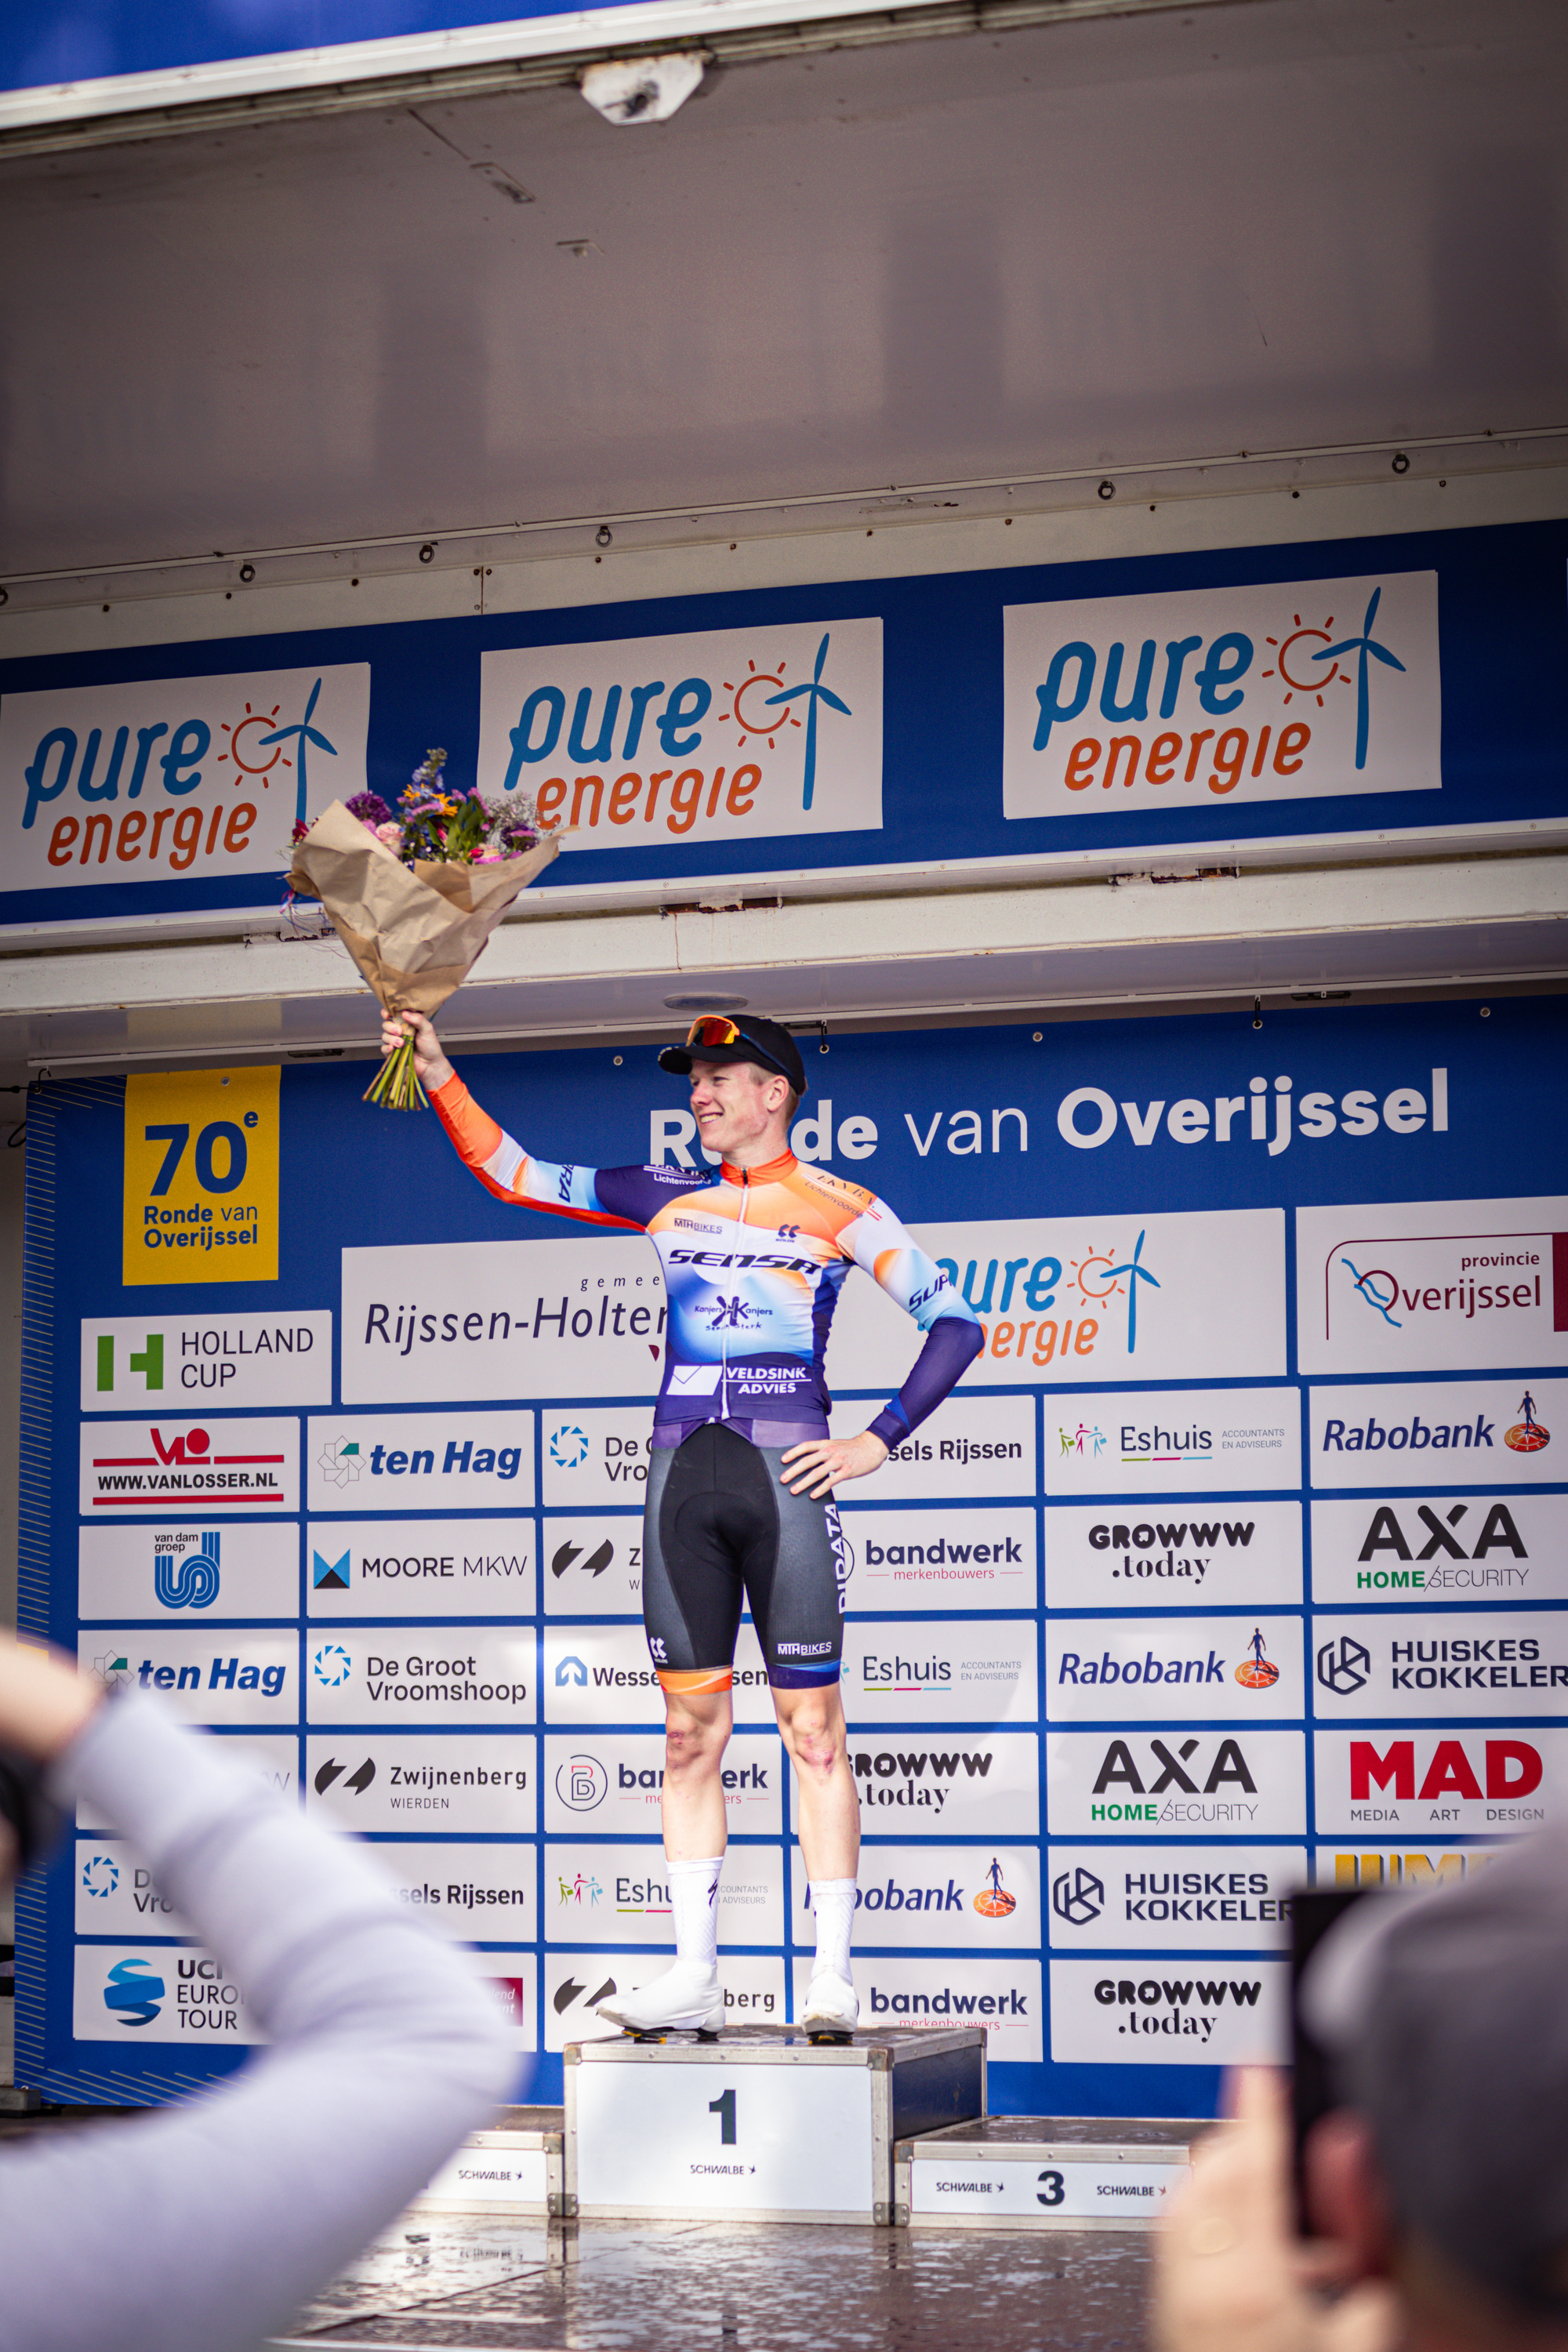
column 595, row 1196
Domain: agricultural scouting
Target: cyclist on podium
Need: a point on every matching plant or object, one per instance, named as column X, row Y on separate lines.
column 743, row 1468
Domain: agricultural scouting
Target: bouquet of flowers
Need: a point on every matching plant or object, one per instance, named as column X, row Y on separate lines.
column 413, row 896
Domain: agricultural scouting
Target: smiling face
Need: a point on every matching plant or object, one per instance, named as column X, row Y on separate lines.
column 741, row 1112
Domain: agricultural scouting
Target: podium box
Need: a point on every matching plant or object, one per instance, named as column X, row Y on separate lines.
column 758, row 2124
column 1042, row 2172
column 516, row 2167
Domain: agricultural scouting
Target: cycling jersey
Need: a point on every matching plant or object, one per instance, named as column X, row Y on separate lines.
column 754, row 1262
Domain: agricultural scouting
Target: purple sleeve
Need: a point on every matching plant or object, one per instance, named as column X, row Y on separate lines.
column 638, row 1194
column 951, row 1345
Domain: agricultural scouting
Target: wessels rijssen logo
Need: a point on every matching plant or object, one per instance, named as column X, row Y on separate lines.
column 1272, row 692
column 729, row 733
column 158, row 775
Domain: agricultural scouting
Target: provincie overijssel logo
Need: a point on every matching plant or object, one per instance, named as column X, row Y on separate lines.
column 1285, row 691
column 722, row 734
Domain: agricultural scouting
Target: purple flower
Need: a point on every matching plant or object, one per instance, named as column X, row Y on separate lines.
column 370, row 809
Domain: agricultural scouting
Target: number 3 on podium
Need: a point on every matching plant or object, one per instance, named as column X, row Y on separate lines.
column 1052, row 2188
column 724, row 2108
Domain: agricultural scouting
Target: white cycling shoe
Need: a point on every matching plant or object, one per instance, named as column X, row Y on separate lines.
column 687, row 1999
column 832, row 2005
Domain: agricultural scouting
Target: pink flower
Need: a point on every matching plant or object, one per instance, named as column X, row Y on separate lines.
column 390, row 834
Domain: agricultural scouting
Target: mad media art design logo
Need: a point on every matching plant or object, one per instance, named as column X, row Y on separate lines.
column 100, row 1876
column 333, row 1665
column 188, row 1581
column 134, row 1992
column 1078, row 1896
column 340, row 1461
column 1259, row 1672
column 582, row 1783
column 1527, row 1436
column 329, row 1575
column 568, row 1446
column 993, row 1902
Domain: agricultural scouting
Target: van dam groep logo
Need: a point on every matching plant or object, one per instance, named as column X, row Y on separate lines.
column 186, row 1570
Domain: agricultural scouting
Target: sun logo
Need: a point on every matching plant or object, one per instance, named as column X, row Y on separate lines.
column 1297, row 645
column 246, row 766
column 1095, row 1277
column 749, row 705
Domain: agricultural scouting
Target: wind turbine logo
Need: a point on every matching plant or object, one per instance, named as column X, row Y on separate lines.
column 306, row 734
column 816, row 692
column 1135, row 1274
column 1363, row 645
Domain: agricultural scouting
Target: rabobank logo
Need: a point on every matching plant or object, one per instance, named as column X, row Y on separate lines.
column 1377, row 1435
column 134, row 1992
column 721, row 735
column 1281, row 691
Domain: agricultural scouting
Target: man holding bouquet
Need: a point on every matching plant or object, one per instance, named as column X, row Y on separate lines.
column 742, row 1468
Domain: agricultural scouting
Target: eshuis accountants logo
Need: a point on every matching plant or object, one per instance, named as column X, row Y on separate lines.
column 720, row 735
column 1289, row 690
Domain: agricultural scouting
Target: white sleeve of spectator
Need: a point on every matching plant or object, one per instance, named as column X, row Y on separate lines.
column 203, row 2227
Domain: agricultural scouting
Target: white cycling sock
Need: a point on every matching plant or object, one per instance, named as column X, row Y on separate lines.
column 833, row 1901
column 694, row 1899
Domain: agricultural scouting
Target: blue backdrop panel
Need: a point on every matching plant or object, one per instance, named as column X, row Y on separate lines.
column 353, row 1176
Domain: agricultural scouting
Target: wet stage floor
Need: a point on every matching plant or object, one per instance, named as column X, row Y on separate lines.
column 716, row 2286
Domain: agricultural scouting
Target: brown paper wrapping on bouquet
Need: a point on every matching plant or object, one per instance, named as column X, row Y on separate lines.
column 416, row 931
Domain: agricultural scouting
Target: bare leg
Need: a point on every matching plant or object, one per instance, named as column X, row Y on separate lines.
column 812, row 1722
column 691, row 1802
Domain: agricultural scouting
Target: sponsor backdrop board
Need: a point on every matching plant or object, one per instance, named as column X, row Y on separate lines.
column 1242, row 1544
column 1195, row 697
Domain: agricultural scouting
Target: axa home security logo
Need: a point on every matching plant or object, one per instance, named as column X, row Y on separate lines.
column 134, row 1992
column 100, row 1876
column 582, row 1783
column 187, row 1578
column 1054, row 1314
column 331, row 1666
column 1273, row 692
column 993, row 1902
column 692, row 737
column 568, row 1446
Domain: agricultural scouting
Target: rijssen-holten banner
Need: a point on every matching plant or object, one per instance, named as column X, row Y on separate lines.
column 1237, row 1560
column 1353, row 686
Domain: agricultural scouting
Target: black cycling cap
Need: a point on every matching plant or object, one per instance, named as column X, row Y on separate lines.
column 737, row 1037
